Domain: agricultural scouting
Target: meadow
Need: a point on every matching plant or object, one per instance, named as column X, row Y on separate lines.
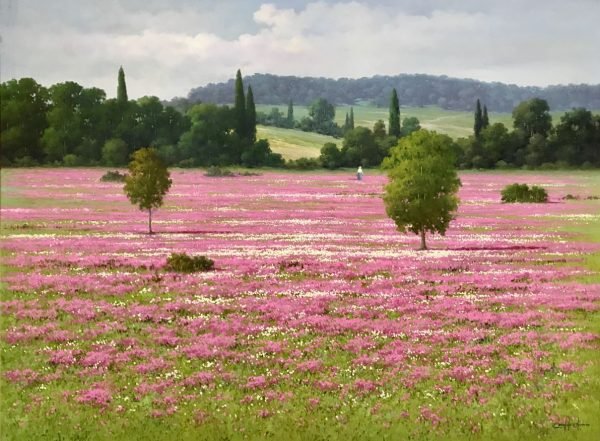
column 319, row 322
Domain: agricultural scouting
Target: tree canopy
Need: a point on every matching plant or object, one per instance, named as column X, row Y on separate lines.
column 421, row 194
column 147, row 182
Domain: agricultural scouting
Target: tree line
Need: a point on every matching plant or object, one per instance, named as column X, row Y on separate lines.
column 68, row 124
column 413, row 90
column 534, row 141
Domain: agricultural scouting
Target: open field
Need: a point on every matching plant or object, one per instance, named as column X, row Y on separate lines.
column 320, row 321
column 294, row 144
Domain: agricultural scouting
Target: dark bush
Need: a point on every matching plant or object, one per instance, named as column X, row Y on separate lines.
column 524, row 193
column 303, row 164
column 183, row 263
column 113, row 176
column 217, row 172
column 570, row 197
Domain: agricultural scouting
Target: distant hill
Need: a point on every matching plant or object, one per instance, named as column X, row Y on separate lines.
column 413, row 90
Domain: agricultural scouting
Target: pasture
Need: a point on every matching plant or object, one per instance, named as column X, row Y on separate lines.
column 319, row 322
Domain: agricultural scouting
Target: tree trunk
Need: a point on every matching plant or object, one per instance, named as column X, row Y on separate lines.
column 423, row 244
column 150, row 221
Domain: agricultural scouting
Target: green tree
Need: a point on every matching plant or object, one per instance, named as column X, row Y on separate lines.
column 147, row 182
column 122, row 87
column 331, row 156
column 410, row 124
column 65, row 128
column 23, row 107
column 478, row 125
column 114, row 152
column 322, row 112
column 290, row 115
column 421, row 196
column 351, row 119
column 359, row 148
column 394, row 117
column 577, row 138
column 239, row 108
column 250, row 116
column 533, row 117
column 379, row 129
column 485, row 119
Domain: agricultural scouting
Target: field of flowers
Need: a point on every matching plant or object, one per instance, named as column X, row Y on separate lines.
column 320, row 320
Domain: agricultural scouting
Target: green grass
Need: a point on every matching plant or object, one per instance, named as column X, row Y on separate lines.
column 294, row 144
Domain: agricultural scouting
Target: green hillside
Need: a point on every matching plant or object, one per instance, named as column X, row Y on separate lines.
column 294, row 144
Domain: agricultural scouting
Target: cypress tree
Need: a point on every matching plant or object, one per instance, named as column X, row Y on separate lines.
column 347, row 123
column 122, row 87
column 478, row 125
column 485, row 118
column 394, row 123
column 239, row 108
column 290, row 115
column 351, row 119
column 250, row 116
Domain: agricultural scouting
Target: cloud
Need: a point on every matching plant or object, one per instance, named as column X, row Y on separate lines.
column 167, row 51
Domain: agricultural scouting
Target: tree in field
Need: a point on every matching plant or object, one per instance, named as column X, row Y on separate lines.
column 478, row 125
column 533, row 117
column 394, row 123
column 147, row 182
column 421, row 195
column 239, row 108
column 351, row 119
column 122, row 88
column 290, row 115
column 250, row 116
column 485, row 119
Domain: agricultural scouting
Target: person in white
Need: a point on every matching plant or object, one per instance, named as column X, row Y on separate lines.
column 359, row 173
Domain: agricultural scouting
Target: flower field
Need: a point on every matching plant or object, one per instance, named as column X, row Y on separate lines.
column 320, row 320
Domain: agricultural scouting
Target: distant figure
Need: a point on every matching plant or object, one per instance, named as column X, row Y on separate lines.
column 359, row 173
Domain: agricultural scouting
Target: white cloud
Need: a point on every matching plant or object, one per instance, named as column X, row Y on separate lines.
column 166, row 52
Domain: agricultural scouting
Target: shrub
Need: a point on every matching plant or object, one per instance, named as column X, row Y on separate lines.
column 303, row 164
column 183, row 263
column 538, row 194
column 570, row 197
column 216, row 172
column 523, row 193
column 71, row 160
column 25, row 161
column 113, row 176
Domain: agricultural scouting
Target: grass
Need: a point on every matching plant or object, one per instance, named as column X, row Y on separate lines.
column 294, row 144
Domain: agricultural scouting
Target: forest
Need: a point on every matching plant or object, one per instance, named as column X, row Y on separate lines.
column 413, row 90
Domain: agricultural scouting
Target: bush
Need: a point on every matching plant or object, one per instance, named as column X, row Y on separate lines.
column 217, row 172
column 113, row 176
column 523, row 193
column 71, row 160
column 25, row 161
column 303, row 164
column 570, row 197
column 182, row 263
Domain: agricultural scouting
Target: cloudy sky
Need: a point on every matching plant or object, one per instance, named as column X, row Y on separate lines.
column 168, row 47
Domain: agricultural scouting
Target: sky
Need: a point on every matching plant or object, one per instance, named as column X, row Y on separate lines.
column 168, row 47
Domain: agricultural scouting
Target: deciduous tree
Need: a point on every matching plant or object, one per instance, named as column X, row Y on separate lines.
column 421, row 195
column 147, row 182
